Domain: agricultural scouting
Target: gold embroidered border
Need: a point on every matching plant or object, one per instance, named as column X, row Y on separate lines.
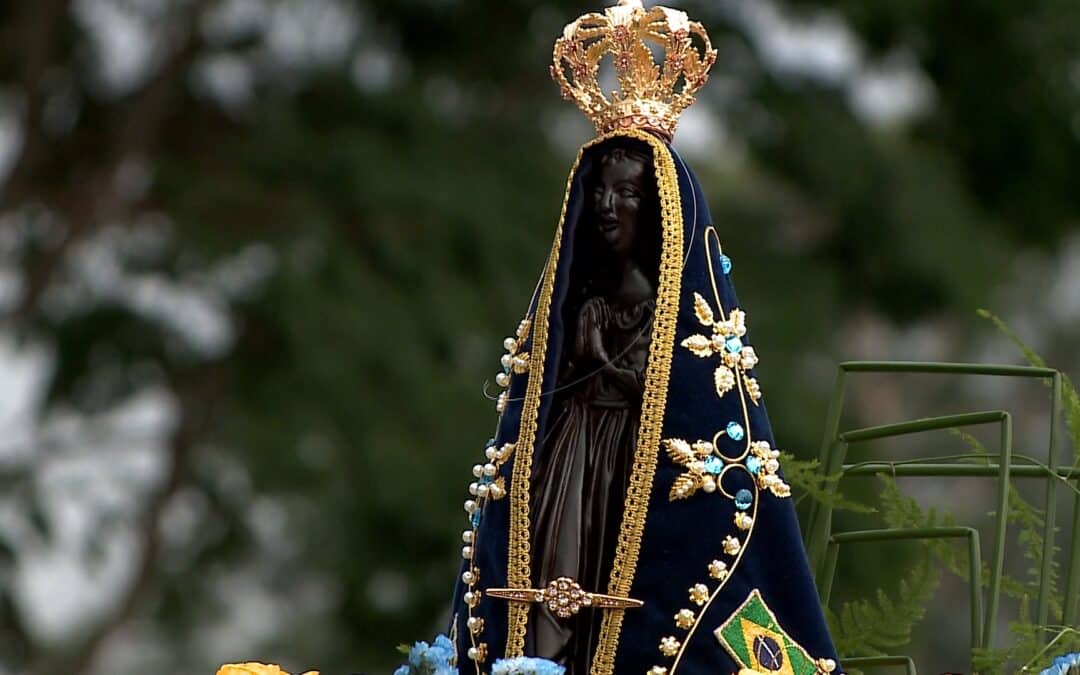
column 652, row 413
column 519, row 557
column 636, row 507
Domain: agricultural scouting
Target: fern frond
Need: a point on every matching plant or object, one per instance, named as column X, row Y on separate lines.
column 876, row 627
column 804, row 475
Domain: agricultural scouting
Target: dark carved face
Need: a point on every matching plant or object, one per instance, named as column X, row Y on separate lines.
column 617, row 201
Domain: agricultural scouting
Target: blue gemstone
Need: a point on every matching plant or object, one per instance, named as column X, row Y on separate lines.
column 725, row 264
column 753, row 464
column 733, row 344
column 476, row 518
column 487, row 480
column 735, row 431
column 743, row 499
column 490, row 443
column 713, row 464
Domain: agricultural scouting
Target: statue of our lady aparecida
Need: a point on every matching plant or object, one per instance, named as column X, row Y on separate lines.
column 630, row 516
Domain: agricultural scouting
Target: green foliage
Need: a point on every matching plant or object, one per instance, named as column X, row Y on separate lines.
column 805, row 476
column 1029, row 639
column 868, row 627
column 1069, row 395
column 877, row 626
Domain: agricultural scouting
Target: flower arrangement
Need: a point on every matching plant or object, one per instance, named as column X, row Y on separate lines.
column 525, row 665
column 1064, row 665
column 438, row 658
column 434, row 659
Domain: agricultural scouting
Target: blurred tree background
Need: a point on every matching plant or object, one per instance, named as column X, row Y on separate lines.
column 257, row 258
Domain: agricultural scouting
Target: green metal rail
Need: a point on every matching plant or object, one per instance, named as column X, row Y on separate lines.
column 865, row 536
column 823, row 545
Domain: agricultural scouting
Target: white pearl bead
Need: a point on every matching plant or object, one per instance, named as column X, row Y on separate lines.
column 470, row 506
column 490, row 453
column 466, row 552
column 474, row 488
column 490, row 470
column 478, row 470
column 481, row 491
column 502, row 379
column 709, row 484
column 474, row 653
column 505, row 360
column 467, row 578
column 467, row 536
column 510, row 344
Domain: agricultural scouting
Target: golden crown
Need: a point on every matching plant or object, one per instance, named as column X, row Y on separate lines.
column 652, row 96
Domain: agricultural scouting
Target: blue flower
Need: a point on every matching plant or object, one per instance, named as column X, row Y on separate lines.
column 443, row 643
column 523, row 665
column 417, row 655
column 1062, row 664
column 433, row 659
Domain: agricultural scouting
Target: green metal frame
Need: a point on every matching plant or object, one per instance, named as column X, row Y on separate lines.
column 823, row 545
column 865, row 536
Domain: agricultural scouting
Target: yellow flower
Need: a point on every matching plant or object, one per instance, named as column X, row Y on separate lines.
column 254, row 669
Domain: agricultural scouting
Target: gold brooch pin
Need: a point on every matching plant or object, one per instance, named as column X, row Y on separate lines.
column 564, row 597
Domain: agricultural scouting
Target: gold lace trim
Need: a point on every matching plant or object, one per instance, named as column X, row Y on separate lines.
column 654, row 400
column 519, row 560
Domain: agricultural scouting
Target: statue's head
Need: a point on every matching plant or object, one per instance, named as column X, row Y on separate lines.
column 621, row 198
column 621, row 220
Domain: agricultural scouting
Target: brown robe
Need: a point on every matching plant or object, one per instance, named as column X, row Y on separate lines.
column 580, row 480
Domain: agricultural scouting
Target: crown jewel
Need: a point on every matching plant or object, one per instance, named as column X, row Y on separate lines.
column 652, row 96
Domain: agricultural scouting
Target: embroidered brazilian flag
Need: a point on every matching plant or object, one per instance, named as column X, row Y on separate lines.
column 754, row 638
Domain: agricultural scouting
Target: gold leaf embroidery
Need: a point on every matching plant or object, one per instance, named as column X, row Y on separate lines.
column 684, row 486
column 737, row 319
column 768, row 477
column 749, row 358
column 702, row 309
column 679, row 451
column 725, row 380
column 753, row 389
column 700, row 345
